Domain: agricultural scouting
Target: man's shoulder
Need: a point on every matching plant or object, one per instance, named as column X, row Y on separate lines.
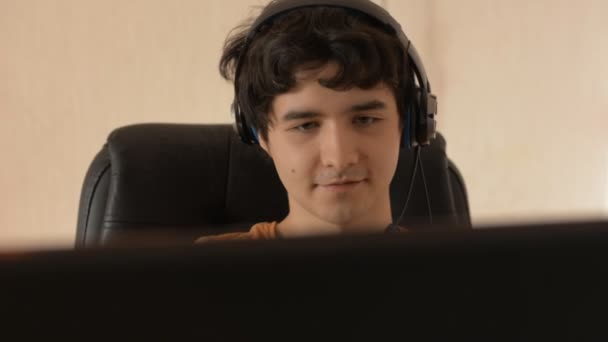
column 259, row 231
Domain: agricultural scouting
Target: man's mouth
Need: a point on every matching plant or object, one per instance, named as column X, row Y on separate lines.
column 344, row 182
column 341, row 186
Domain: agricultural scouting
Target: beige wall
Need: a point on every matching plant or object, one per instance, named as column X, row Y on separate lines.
column 522, row 88
column 72, row 70
column 524, row 93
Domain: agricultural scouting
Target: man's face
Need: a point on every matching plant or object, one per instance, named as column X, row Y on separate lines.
column 335, row 151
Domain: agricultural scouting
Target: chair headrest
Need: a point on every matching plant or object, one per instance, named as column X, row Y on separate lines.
column 182, row 176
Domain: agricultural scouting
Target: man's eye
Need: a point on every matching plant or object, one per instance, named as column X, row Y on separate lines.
column 365, row 120
column 306, row 126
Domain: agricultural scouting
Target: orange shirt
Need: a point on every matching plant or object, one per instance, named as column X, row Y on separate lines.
column 259, row 231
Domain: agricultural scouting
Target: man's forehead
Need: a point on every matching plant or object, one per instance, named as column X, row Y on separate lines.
column 315, row 71
column 309, row 98
column 294, row 113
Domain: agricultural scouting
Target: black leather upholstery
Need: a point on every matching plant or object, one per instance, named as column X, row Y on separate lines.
column 181, row 181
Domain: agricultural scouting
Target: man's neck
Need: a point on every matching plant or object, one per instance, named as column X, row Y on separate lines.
column 292, row 227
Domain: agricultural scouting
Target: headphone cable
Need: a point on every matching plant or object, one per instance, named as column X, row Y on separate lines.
column 426, row 193
column 411, row 185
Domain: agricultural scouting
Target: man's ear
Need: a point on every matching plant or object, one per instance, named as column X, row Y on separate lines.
column 264, row 145
column 263, row 142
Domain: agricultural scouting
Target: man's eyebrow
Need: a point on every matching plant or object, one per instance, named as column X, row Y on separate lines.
column 371, row 105
column 300, row 114
column 310, row 114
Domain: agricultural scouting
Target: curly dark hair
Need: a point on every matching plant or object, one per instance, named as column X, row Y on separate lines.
column 308, row 38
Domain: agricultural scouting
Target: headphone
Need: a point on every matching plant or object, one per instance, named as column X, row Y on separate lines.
column 420, row 124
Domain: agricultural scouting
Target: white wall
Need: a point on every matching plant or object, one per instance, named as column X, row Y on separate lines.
column 522, row 88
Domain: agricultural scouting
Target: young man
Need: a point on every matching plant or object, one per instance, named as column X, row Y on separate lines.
column 324, row 91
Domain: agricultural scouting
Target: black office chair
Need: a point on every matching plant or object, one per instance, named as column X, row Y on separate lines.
column 175, row 182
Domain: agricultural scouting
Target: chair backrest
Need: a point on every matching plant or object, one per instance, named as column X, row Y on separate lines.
column 185, row 180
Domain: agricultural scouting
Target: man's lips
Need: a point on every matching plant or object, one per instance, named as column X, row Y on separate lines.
column 341, row 185
column 341, row 182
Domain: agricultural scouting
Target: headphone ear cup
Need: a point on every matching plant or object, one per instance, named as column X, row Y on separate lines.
column 411, row 126
column 423, row 118
column 427, row 125
column 247, row 134
column 406, row 133
column 431, row 125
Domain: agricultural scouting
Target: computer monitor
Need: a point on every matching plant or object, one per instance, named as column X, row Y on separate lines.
column 511, row 283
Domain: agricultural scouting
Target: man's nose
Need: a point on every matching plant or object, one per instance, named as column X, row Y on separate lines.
column 338, row 147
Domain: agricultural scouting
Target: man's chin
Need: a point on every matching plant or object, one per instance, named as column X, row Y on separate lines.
column 342, row 217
